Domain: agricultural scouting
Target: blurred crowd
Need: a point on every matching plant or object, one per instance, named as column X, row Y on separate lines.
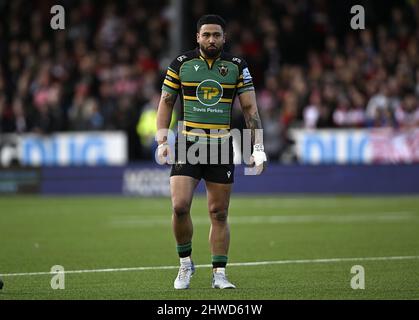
column 310, row 68
column 96, row 74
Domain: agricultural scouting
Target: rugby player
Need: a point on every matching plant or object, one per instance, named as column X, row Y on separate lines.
column 207, row 80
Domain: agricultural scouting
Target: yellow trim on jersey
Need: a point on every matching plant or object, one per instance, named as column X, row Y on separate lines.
column 209, row 61
column 206, row 125
column 228, row 86
column 195, row 84
column 243, row 85
column 171, row 84
column 190, row 98
column 172, row 74
column 204, row 134
column 190, row 84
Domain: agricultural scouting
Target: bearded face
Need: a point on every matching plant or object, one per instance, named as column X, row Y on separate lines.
column 211, row 39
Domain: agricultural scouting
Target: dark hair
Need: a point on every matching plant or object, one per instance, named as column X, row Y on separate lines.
column 211, row 19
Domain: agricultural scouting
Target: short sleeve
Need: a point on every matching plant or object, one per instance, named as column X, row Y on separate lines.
column 171, row 83
column 244, row 82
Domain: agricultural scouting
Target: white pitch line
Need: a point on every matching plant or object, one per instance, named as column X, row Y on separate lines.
column 281, row 219
column 234, row 264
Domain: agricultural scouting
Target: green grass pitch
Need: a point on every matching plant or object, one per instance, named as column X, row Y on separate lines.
column 96, row 233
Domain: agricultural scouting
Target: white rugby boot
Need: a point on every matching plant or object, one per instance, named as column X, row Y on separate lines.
column 219, row 280
column 186, row 270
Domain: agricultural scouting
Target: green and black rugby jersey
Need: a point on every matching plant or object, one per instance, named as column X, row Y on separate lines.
column 207, row 88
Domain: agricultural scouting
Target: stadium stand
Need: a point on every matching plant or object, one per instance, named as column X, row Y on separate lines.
column 309, row 68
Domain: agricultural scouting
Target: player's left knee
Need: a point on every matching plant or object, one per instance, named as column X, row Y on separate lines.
column 219, row 215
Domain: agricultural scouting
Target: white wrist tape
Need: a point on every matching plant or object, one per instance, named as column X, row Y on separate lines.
column 258, row 154
column 162, row 145
column 258, row 147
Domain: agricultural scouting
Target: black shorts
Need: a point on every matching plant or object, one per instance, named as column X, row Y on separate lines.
column 217, row 173
column 213, row 168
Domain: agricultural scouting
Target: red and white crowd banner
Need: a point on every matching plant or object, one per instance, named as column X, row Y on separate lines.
column 394, row 146
column 356, row 146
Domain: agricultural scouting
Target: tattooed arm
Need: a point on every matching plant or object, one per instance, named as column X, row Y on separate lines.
column 164, row 115
column 251, row 115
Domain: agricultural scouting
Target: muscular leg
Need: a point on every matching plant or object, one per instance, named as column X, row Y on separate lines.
column 181, row 189
column 218, row 201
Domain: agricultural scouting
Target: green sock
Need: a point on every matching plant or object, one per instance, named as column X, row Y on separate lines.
column 219, row 261
column 184, row 250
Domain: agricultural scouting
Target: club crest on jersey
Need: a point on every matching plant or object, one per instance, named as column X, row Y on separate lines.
column 223, row 69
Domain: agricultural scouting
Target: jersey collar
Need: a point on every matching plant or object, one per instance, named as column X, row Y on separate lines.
column 209, row 62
